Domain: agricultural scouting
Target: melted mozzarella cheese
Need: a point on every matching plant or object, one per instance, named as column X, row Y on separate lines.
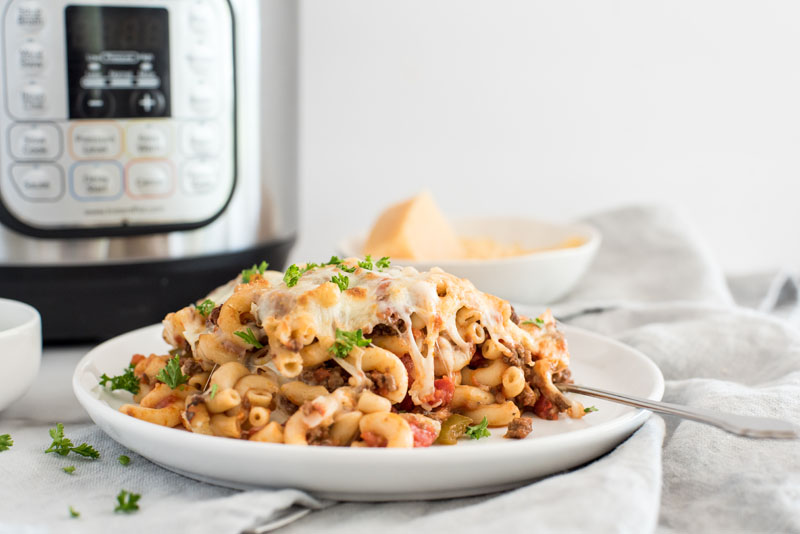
column 390, row 297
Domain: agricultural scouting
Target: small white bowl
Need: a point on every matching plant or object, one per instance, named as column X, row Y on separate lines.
column 20, row 349
column 536, row 278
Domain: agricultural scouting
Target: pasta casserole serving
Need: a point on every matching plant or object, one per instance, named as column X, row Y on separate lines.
column 351, row 353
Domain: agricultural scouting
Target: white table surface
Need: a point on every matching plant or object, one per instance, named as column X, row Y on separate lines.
column 50, row 398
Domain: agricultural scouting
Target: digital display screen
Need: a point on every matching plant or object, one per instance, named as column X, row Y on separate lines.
column 118, row 62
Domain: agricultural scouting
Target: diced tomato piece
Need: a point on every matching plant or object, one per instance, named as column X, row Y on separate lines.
column 407, row 405
column 444, row 391
column 544, row 409
column 373, row 440
column 424, row 435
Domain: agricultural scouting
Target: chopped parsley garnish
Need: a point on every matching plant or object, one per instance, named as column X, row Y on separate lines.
column 292, row 275
column 340, row 264
column 205, row 307
column 260, row 269
column 346, row 341
column 124, row 460
column 127, row 502
column 64, row 446
column 367, row 263
column 481, row 430
column 6, row 442
column 69, row 470
column 591, row 409
column 171, row 374
column 538, row 322
column 383, row 263
column 214, row 389
column 341, row 280
column 249, row 337
column 73, row 512
column 127, row 381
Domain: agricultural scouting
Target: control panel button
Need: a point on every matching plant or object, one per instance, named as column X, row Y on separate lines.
column 96, row 141
column 31, row 57
column 35, row 141
column 30, row 15
column 150, row 103
column 200, row 139
column 96, row 104
column 38, row 182
column 150, row 179
column 201, row 18
column 203, row 100
column 201, row 60
column 148, row 140
column 96, row 181
column 200, row 177
column 34, row 98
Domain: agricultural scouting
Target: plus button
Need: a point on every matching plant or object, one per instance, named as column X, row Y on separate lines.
column 147, row 103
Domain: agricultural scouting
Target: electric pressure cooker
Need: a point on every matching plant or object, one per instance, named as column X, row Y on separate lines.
column 147, row 153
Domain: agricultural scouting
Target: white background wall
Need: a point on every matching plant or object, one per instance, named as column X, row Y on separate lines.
column 556, row 109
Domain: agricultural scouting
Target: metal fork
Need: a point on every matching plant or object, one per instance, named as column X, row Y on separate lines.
column 743, row 425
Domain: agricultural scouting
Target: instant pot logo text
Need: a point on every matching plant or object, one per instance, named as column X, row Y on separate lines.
column 123, row 210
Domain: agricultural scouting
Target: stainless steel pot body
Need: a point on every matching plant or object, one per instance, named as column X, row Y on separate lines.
column 171, row 153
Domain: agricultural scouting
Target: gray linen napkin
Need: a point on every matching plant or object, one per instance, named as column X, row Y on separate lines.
column 654, row 286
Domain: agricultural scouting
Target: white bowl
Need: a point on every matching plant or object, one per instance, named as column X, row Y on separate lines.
column 536, row 278
column 20, row 349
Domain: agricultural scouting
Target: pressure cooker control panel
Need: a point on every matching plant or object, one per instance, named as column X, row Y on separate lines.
column 118, row 116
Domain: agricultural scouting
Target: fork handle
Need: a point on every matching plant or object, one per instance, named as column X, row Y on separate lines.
column 743, row 425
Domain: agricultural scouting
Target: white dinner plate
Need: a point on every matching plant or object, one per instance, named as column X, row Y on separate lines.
column 471, row 467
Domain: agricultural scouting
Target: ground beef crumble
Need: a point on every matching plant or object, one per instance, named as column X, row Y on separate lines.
column 190, row 366
column 383, row 383
column 319, row 436
column 519, row 428
column 527, row 398
column 330, row 378
column 564, row 376
column 286, row 405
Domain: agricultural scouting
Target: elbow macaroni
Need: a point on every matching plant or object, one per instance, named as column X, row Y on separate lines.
column 432, row 345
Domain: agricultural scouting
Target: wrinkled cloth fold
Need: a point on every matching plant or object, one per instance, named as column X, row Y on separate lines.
column 723, row 344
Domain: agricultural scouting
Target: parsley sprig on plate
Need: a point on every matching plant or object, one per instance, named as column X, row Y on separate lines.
column 341, row 280
column 205, row 307
column 293, row 273
column 335, row 260
column 538, row 322
column 259, row 269
column 249, row 337
column 6, row 442
column 63, row 446
column 171, row 374
column 381, row 264
column 481, row 430
column 347, row 341
column 127, row 381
